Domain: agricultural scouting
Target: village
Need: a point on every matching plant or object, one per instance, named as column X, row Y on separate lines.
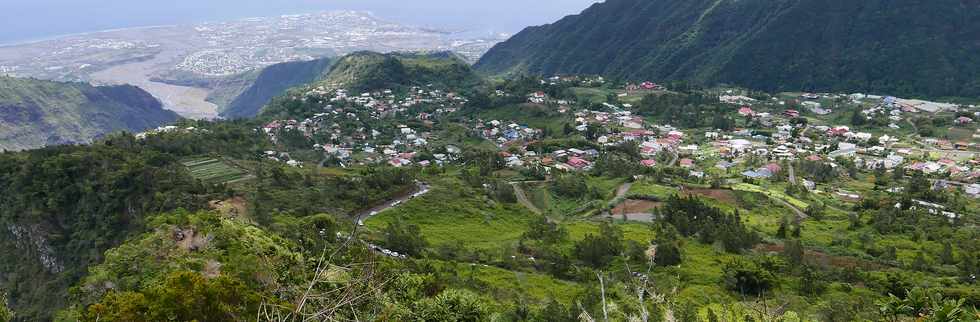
column 773, row 136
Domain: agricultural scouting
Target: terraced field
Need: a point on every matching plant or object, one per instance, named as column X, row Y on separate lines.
column 215, row 170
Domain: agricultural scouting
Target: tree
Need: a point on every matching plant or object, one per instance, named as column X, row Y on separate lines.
column 858, row 118
column 545, row 231
column 815, row 211
column 599, row 251
column 571, row 185
column 811, row 281
column 747, row 278
column 920, row 263
column 793, row 251
column 855, row 220
column 668, row 249
column 5, row 314
column 946, row 257
column 404, row 238
column 781, row 232
column 969, row 268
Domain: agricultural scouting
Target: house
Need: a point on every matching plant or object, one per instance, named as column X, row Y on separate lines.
column 688, row 149
column 687, row 163
column 963, row 120
column 649, row 163
column 972, row 190
column 746, row 111
column 651, row 86
column 838, row 131
column 739, row 145
column 809, row 185
column 724, row 165
column 578, row 163
column 774, row 168
column 762, row 173
column 537, row 97
column 791, row 113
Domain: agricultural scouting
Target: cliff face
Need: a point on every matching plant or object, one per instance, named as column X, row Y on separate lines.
column 35, row 113
column 903, row 47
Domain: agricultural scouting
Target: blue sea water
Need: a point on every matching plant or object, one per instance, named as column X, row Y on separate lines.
column 25, row 20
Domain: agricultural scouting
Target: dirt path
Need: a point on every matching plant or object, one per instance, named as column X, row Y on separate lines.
column 914, row 127
column 523, row 199
column 800, row 215
column 674, row 160
column 623, row 189
column 792, row 173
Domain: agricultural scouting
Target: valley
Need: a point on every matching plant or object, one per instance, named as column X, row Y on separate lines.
column 183, row 65
column 636, row 162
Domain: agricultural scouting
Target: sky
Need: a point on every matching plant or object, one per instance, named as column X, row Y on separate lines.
column 22, row 20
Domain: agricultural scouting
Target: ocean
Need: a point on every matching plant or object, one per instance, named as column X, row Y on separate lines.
column 31, row 20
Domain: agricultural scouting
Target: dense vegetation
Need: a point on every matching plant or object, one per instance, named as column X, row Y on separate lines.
column 35, row 113
column 63, row 207
column 367, row 71
column 907, row 47
column 201, row 224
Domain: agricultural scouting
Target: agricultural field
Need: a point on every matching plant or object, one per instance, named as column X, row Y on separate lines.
column 215, row 170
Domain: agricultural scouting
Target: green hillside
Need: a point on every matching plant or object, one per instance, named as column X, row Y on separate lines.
column 365, row 71
column 35, row 113
column 904, row 47
column 274, row 81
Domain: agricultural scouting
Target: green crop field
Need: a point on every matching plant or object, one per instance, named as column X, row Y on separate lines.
column 214, row 170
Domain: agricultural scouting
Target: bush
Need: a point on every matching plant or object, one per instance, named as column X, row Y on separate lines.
column 451, row 305
column 747, row 278
column 183, row 296
column 599, row 251
column 404, row 238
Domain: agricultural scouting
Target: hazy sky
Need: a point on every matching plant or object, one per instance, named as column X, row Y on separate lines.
column 31, row 19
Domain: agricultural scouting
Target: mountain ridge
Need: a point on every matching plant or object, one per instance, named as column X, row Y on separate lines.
column 36, row 113
column 818, row 45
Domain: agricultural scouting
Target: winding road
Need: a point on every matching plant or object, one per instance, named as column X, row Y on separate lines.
column 421, row 188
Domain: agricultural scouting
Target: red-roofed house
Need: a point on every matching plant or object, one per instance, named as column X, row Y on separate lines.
column 649, row 163
column 578, row 163
column 746, row 111
column 687, row 163
column 838, row 131
column 774, row 168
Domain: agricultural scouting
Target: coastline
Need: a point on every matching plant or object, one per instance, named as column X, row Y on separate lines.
column 79, row 34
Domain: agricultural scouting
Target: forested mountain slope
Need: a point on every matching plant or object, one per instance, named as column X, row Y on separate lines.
column 35, row 113
column 365, row 71
column 899, row 47
column 274, row 81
